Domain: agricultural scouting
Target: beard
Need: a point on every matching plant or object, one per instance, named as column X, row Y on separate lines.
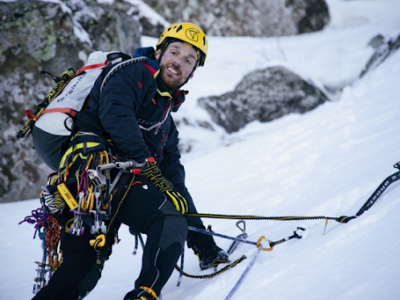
column 172, row 80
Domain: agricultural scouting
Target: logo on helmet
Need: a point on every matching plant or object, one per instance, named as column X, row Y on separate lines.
column 192, row 34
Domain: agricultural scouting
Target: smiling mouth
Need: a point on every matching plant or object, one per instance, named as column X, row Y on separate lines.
column 173, row 71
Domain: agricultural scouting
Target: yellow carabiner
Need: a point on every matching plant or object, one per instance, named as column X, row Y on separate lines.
column 68, row 224
column 264, row 249
column 99, row 242
column 55, row 261
column 88, row 200
column 88, row 161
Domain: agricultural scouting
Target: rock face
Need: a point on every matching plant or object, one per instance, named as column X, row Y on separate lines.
column 263, row 95
column 109, row 28
column 230, row 17
column 36, row 35
column 258, row 18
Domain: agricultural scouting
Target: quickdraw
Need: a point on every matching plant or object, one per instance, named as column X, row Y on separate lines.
column 296, row 234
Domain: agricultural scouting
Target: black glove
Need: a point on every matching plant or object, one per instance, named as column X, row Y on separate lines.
column 211, row 257
column 153, row 173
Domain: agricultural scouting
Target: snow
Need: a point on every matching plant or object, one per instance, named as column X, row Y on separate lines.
column 146, row 11
column 326, row 162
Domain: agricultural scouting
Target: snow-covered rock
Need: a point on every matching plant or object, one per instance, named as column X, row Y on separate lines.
column 230, row 17
column 263, row 95
column 49, row 35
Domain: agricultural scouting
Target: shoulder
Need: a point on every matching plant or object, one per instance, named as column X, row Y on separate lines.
column 146, row 71
column 132, row 70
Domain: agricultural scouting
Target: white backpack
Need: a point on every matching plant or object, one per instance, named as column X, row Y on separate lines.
column 51, row 127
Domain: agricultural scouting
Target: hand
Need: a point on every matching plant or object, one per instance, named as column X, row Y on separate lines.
column 212, row 257
column 153, row 173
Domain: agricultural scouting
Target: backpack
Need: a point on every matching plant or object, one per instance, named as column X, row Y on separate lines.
column 52, row 124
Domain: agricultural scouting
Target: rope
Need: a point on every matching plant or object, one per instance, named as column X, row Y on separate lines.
column 207, row 276
column 254, row 217
column 53, row 233
column 342, row 219
column 244, row 274
column 49, row 232
column 38, row 216
column 236, row 262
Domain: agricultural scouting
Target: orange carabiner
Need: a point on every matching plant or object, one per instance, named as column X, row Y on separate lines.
column 259, row 244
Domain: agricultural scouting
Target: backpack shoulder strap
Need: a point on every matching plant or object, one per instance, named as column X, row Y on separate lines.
column 120, row 66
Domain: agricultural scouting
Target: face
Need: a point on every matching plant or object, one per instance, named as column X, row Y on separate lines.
column 177, row 64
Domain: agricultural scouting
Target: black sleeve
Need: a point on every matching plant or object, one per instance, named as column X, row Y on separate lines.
column 122, row 95
column 174, row 171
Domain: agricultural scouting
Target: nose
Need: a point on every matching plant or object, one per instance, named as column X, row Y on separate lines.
column 177, row 61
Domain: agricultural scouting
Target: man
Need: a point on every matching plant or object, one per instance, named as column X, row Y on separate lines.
column 132, row 109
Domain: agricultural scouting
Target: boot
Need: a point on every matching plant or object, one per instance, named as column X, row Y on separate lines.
column 142, row 293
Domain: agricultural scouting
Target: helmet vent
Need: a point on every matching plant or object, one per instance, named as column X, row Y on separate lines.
column 179, row 28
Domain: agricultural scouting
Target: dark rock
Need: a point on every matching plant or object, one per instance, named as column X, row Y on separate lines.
column 384, row 47
column 376, row 41
column 309, row 15
column 263, row 95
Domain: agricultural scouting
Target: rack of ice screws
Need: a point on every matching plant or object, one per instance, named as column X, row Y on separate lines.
column 90, row 208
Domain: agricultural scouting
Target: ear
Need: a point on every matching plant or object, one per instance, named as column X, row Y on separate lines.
column 158, row 53
column 191, row 76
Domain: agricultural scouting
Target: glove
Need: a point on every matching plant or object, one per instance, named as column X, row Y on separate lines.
column 212, row 257
column 153, row 173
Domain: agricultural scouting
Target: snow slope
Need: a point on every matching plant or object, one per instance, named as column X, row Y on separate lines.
column 326, row 162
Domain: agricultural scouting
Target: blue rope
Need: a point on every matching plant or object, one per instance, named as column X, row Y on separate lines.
column 221, row 235
column 182, row 263
column 239, row 282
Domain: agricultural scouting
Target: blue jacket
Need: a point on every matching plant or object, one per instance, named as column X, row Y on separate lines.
column 133, row 104
column 135, row 113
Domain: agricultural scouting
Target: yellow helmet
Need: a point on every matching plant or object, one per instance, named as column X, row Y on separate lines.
column 189, row 33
